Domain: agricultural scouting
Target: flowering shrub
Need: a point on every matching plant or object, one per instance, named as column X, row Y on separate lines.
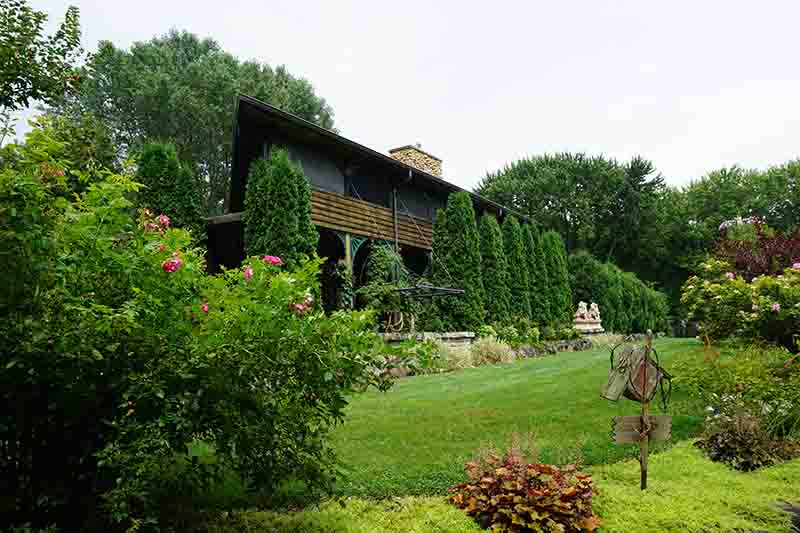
column 510, row 494
column 120, row 351
column 726, row 304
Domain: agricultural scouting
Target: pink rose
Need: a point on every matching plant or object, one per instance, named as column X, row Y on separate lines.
column 248, row 272
column 172, row 264
column 272, row 260
column 204, row 307
column 730, row 275
column 796, row 266
column 776, row 308
column 163, row 220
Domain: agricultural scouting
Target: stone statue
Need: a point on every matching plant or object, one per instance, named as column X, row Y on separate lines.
column 587, row 320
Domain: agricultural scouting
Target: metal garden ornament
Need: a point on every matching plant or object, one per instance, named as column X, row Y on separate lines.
column 637, row 375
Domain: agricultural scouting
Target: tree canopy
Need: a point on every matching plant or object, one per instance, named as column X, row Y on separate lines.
column 33, row 65
column 181, row 89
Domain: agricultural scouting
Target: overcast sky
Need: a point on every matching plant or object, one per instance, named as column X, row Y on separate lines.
column 691, row 85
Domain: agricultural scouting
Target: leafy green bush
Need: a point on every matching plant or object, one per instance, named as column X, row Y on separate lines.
column 626, row 304
column 121, row 351
column 426, row 357
column 490, row 351
column 767, row 308
column 486, row 330
column 277, row 210
column 381, row 292
column 457, row 262
column 738, row 440
column 519, row 281
column 753, row 400
column 170, row 188
column 495, row 271
column 509, row 493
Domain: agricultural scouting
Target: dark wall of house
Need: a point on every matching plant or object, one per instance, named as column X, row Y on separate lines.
column 319, row 169
column 415, row 201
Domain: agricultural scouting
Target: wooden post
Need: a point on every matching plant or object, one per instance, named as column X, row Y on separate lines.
column 644, row 442
column 348, row 256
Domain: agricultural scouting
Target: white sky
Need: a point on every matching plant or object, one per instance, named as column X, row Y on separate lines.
column 691, row 85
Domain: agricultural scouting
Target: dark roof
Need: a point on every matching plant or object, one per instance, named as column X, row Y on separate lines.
column 302, row 129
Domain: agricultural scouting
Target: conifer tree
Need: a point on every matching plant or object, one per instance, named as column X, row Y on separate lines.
column 277, row 210
column 170, row 188
column 537, row 275
column 456, row 262
column 559, row 294
column 517, row 268
column 495, row 271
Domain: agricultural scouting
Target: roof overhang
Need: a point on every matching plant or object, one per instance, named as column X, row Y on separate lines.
column 251, row 111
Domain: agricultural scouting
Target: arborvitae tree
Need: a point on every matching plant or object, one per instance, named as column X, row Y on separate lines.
column 559, row 295
column 537, row 275
column 517, row 268
column 495, row 271
column 170, row 188
column 277, row 209
column 456, row 261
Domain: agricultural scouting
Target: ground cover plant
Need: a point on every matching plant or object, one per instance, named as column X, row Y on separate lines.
column 416, row 439
column 687, row 494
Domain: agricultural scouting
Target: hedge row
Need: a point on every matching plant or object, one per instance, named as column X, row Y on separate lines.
column 626, row 303
column 509, row 273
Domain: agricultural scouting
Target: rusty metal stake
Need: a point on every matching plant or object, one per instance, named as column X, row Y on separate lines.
column 644, row 441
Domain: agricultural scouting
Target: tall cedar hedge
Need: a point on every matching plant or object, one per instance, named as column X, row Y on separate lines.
column 170, row 188
column 559, row 295
column 456, row 262
column 495, row 271
column 626, row 303
column 537, row 275
column 277, row 209
column 517, row 268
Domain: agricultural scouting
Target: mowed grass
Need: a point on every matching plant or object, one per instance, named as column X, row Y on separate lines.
column 415, row 439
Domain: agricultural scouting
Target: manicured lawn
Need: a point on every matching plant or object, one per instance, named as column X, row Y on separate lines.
column 687, row 494
column 414, row 439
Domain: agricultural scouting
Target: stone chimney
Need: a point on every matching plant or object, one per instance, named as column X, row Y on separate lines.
column 414, row 156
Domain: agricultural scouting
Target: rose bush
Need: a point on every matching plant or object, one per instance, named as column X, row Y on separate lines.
column 726, row 304
column 120, row 352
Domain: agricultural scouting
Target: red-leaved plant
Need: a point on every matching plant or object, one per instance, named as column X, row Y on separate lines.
column 510, row 494
column 754, row 249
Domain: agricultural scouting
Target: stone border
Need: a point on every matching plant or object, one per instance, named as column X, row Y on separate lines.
column 550, row 348
column 453, row 338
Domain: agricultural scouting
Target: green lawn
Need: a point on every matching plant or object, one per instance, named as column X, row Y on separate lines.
column 414, row 439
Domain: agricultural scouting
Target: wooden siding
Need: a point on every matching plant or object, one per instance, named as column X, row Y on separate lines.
column 342, row 213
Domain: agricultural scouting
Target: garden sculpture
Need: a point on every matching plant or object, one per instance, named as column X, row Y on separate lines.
column 587, row 321
column 636, row 374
